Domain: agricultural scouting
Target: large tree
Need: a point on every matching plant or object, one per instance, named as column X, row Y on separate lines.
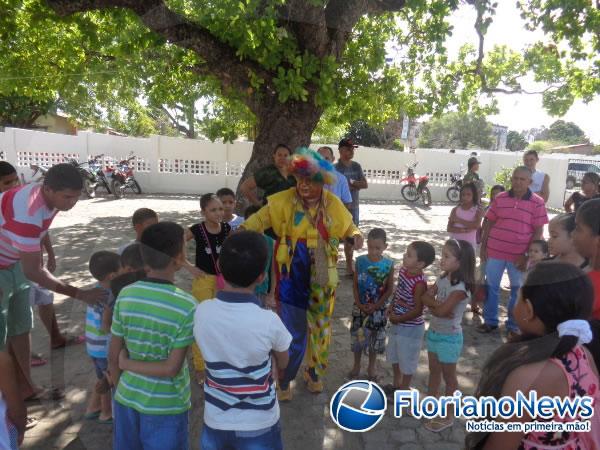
column 564, row 132
column 281, row 65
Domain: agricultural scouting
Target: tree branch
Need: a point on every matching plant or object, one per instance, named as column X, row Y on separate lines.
column 306, row 21
column 220, row 59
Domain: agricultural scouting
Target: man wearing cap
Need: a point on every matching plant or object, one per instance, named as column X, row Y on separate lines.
column 356, row 181
column 472, row 176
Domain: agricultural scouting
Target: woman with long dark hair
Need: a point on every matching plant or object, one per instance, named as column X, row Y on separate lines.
column 550, row 359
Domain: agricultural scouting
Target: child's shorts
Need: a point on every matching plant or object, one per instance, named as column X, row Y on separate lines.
column 101, row 366
column 373, row 330
column 404, row 346
column 39, row 296
column 447, row 347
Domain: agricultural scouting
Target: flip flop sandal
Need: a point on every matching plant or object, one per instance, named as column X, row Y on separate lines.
column 105, row 421
column 373, row 378
column 37, row 360
column 352, row 375
column 31, row 422
column 70, row 340
column 46, row 394
column 437, row 425
column 91, row 415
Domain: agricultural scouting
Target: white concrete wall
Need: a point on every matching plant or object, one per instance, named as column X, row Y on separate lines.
column 177, row 165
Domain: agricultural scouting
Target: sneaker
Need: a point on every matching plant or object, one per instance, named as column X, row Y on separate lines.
column 486, row 329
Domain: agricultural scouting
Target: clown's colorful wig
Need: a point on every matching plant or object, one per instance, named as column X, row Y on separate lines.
column 308, row 163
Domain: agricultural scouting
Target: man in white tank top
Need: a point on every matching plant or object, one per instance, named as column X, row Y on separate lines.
column 540, row 182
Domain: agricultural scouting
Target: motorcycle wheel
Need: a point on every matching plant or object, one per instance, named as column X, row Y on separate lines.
column 116, row 188
column 409, row 192
column 88, row 188
column 135, row 187
column 426, row 196
column 453, row 194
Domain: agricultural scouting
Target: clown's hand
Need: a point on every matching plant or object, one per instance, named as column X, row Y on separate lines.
column 358, row 241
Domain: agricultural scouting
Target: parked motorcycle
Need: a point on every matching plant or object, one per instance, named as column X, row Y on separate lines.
column 453, row 192
column 87, row 175
column 100, row 180
column 38, row 170
column 416, row 187
column 122, row 178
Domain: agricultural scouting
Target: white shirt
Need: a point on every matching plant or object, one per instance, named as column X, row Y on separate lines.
column 537, row 181
column 236, row 337
column 235, row 222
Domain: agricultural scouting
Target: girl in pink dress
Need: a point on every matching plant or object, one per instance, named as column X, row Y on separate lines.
column 465, row 218
column 550, row 359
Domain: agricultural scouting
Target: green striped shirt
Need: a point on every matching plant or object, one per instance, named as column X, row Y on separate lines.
column 153, row 318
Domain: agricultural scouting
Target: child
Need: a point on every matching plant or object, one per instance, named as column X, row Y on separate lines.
column 406, row 314
column 227, row 197
column 549, row 359
column 153, row 321
column 373, row 285
column 104, row 266
column 237, row 337
column 589, row 190
column 209, row 236
column 586, row 238
column 465, row 219
column 142, row 218
column 13, row 413
column 447, row 300
column 560, row 244
column 538, row 251
column 265, row 291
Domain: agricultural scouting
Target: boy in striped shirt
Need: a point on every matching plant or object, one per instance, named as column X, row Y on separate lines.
column 151, row 332
column 104, row 266
column 406, row 315
column 237, row 338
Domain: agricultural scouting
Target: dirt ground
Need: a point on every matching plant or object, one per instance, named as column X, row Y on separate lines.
column 104, row 224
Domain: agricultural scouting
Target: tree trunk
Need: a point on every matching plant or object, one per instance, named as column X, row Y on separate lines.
column 291, row 123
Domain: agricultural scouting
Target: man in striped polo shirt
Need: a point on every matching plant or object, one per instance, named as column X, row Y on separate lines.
column 514, row 220
column 26, row 213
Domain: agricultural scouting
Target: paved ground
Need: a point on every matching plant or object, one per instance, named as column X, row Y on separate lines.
column 105, row 224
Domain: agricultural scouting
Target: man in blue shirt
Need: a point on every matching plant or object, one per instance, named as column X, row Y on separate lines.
column 341, row 188
column 356, row 181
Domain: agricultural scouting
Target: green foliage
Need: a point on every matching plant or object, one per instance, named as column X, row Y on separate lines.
column 567, row 133
column 515, row 141
column 504, row 175
column 105, row 68
column 364, row 134
column 543, row 146
column 457, row 130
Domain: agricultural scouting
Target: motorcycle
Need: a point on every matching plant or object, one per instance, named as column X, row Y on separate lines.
column 90, row 181
column 416, row 187
column 453, row 192
column 122, row 178
column 95, row 167
column 38, row 169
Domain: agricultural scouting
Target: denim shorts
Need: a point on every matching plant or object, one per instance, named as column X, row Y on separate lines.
column 268, row 438
column 134, row 430
column 447, row 347
column 101, row 366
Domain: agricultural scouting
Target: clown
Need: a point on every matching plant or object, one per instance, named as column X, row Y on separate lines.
column 309, row 223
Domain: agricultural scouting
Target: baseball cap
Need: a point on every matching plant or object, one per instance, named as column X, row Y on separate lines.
column 347, row 143
column 472, row 161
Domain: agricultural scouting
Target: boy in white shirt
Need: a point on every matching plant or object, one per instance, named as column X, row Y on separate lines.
column 237, row 338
